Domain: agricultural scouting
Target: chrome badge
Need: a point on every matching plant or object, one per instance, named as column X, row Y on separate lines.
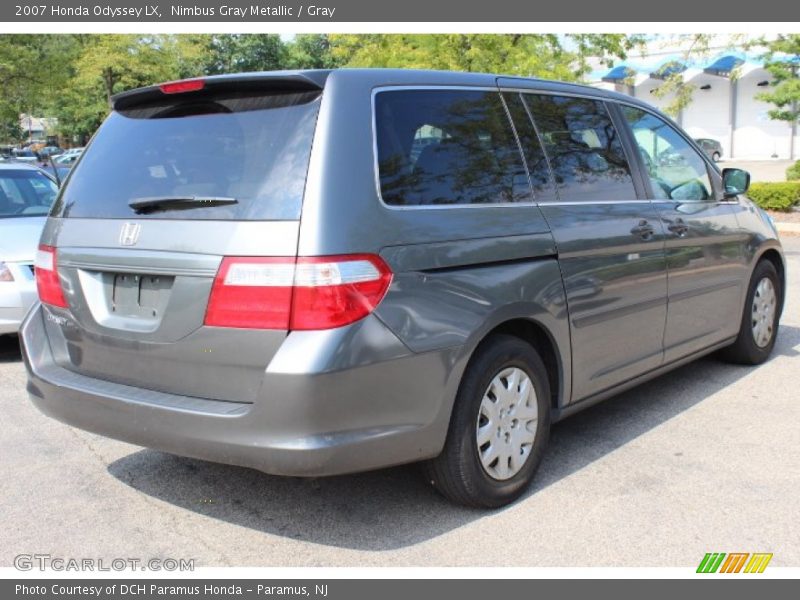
column 129, row 234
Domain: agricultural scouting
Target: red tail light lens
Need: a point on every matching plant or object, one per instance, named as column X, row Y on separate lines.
column 47, row 281
column 335, row 291
column 180, row 87
column 298, row 294
column 252, row 293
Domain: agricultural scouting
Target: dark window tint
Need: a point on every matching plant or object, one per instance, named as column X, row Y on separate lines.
column 585, row 152
column 252, row 148
column 675, row 169
column 534, row 154
column 447, row 147
column 25, row 193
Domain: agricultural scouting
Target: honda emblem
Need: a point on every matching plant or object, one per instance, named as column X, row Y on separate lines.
column 129, row 234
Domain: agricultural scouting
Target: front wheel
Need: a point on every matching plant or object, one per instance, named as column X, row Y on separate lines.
column 499, row 428
column 759, row 326
column 716, row 156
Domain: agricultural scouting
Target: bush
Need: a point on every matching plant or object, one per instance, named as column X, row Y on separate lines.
column 793, row 172
column 775, row 195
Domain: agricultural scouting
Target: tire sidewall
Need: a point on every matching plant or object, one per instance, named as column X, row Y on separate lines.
column 508, row 352
column 756, row 352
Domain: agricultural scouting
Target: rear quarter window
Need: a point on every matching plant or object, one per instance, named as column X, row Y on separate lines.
column 447, row 147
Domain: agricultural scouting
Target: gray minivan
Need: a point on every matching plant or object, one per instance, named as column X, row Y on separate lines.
column 322, row 272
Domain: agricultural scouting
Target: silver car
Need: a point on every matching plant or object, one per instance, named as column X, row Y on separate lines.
column 26, row 195
column 321, row 272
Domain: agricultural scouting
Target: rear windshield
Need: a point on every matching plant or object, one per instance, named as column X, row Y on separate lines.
column 25, row 193
column 253, row 149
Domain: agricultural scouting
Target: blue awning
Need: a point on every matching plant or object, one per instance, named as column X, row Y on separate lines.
column 619, row 73
column 668, row 68
column 724, row 65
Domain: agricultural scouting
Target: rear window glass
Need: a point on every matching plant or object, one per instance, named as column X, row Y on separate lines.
column 585, row 151
column 447, row 147
column 253, row 149
column 25, row 193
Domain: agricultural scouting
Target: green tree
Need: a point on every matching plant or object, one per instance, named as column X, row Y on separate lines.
column 33, row 70
column 238, row 53
column 114, row 63
column 311, row 51
column 108, row 64
column 783, row 62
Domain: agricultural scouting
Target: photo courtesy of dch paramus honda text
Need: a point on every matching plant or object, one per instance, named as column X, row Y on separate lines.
column 323, row 272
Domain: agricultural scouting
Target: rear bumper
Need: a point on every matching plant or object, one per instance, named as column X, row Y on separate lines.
column 307, row 421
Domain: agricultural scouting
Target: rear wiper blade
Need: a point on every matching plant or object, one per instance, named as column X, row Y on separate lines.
column 163, row 203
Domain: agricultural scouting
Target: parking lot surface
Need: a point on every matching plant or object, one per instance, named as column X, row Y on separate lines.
column 704, row 459
column 761, row 170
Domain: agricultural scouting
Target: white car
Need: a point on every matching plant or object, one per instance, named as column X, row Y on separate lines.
column 26, row 194
column 68, row 157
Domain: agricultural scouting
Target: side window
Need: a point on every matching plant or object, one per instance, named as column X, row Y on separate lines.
column 538, row 168
column 11, row 191
column 447, row 147
column 584, row 148
column 675, row 169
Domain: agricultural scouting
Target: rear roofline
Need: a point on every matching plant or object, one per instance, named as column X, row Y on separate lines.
column 315, row 79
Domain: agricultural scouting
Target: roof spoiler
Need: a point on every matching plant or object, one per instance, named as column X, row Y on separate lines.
column 301, row 81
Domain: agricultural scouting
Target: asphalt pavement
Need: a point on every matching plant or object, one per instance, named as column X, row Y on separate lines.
column 704, row 459
column 761, row 170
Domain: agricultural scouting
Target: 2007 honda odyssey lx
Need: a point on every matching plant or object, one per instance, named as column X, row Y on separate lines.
column 312, row 273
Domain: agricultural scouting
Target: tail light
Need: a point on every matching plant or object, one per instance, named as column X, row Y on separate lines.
column 47, row 281
column 297, row 294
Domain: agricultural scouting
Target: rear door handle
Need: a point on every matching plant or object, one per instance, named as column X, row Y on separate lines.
column 644, row 230
column 679, row 227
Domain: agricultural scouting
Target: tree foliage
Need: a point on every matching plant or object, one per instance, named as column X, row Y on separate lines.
column 236, row 53
column 531, row 55
column 33, row 70
column 783, row 62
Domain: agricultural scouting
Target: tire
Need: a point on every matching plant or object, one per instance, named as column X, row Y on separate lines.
column 747, row 350
column 458, row 473
column 716, row 156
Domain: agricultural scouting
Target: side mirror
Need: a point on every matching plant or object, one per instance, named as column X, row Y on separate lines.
column 735, row 181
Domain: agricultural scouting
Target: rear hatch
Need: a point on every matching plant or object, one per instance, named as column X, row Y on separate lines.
column 178, row 177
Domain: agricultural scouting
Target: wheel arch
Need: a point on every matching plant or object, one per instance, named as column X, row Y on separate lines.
column 542, row 339
column 774, row 256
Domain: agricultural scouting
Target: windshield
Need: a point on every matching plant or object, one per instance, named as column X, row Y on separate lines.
column 253, row 148
column 25, row 193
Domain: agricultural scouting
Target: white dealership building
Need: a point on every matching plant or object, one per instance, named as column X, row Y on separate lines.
column 723, row 106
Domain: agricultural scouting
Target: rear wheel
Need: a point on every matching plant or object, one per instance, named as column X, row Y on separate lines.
column 499, row 428
column 759, row 326
column 716, row 156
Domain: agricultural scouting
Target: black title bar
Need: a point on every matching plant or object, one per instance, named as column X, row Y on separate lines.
column 450, row 11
